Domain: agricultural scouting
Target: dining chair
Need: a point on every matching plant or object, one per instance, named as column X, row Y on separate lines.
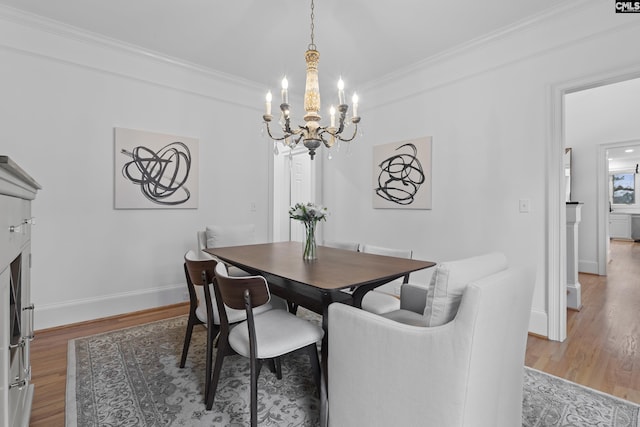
column 385, row 298
column 264, row 336
column 348, row 246
column 205, row 310
column 218, row 236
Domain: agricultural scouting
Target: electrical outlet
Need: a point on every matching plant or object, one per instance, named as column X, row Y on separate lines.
column 525, row 205
column 185, row 296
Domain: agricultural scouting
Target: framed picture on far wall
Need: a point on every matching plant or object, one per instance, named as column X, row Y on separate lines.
column 402, row 174
column 155, row 171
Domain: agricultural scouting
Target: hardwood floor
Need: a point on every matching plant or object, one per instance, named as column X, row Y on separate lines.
column 602, row 350
column 49, row 359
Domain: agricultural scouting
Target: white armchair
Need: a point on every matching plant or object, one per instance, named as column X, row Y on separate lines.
column 467, row 372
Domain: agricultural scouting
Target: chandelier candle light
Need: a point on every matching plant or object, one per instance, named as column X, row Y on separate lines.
column 309, row 214
column 312, row 133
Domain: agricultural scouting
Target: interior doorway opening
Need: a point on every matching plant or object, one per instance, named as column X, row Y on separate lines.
column 556, row 192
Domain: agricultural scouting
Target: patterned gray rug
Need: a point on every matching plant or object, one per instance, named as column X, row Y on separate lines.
column 131, row 377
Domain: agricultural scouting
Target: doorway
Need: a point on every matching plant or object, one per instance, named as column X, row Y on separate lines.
column 616, row 158
column 294, row 176
column 556, row 215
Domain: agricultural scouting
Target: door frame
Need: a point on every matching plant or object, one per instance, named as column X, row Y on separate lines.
column 556, row 210
column 602, row 198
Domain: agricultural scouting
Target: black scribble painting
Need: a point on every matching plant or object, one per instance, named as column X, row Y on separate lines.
column 161, row 176
column 402, row 175
column 155, row 170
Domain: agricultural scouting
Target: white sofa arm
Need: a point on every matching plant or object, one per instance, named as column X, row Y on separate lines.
column 413, row 297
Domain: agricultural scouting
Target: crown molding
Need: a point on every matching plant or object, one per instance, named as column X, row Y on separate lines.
column 40, row 23
column 476, row 43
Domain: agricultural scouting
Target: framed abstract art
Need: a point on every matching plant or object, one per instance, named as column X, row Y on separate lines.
column 155, row 171
column 402, row 174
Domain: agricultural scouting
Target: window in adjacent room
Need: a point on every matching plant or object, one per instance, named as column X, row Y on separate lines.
column 623, row 189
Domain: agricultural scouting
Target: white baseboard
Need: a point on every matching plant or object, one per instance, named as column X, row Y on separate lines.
column 590, row 267
column 574, row 296
column 539, row 323
column 51, row 315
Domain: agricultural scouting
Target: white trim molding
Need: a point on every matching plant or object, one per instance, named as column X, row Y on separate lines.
column 80, row 310
column 556, row 220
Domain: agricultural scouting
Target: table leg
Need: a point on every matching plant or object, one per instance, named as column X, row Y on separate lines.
column 293, row 307
column 324, row 349
column 324, row 359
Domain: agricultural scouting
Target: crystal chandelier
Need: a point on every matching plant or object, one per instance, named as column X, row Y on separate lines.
column 312, row 134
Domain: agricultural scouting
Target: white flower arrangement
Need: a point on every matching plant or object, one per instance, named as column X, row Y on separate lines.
column 308, row 212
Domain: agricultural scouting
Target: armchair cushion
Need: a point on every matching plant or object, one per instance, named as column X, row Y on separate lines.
column 450, row 280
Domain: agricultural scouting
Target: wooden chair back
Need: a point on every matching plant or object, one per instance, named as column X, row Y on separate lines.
column 234, row 290
column 195, row 267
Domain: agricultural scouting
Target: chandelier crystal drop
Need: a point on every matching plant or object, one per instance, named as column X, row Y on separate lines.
column 312, row 134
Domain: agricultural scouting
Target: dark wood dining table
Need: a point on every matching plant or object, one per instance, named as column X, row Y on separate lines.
column 315, row 284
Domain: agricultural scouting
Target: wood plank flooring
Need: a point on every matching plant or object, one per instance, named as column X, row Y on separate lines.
column 601, row 351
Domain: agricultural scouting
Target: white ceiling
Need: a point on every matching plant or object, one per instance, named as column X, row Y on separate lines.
column 260, row 40
column 623, row 157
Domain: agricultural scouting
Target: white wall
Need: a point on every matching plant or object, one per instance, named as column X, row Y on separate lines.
column 488, row 109
column 62, row 96
column 603, row 115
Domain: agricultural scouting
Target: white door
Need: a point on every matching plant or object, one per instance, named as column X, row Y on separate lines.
column 294, row 181
column 301, row 189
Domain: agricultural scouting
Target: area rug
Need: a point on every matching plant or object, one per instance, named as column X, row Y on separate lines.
column 131, row 377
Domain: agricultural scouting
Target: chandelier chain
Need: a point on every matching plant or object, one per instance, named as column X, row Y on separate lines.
column 312, row 45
